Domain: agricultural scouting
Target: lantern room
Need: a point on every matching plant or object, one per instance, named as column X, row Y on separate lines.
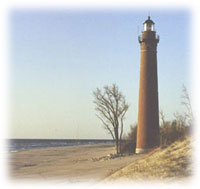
column 148, row 25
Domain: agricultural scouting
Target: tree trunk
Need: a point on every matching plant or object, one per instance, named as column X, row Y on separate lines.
column 120, row 145
column 117, row 141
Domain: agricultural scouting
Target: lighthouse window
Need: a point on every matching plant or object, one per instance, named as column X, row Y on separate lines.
column 152, row 27
column 145, row 27
column 148, row 27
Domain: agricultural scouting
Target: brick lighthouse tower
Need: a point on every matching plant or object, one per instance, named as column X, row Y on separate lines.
column 148, row 113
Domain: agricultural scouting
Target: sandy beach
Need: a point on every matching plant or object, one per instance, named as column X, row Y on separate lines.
column 97, row 164
column 86, row 163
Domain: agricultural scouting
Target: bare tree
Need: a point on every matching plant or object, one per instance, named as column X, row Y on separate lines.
column 111, row 107
column 162, row 117
column 187, row 103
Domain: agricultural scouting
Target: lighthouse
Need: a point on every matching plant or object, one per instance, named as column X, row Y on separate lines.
column 148, row 111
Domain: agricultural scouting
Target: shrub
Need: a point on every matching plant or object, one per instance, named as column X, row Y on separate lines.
column 170, row 131
column 128, row 143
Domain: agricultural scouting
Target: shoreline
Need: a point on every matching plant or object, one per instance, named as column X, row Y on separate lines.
column 83, row 163
column 28, row 144
column 51, row 147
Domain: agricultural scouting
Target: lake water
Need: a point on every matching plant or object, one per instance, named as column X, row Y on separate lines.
column 26, row 144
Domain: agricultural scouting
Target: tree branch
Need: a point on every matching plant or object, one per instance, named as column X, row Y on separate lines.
column 106, row 126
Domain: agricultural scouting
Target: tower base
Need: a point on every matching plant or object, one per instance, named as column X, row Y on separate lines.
column 142, row 150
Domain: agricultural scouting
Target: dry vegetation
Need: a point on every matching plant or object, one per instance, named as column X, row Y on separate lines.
column 178, row 128
column 171, row 163
column 172, row 160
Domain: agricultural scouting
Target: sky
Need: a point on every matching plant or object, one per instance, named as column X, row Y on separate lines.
column 59, row 57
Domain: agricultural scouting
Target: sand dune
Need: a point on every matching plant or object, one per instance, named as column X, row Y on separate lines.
column 169, row 164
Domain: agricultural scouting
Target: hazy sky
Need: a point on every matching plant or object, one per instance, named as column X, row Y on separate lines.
column 59, row 57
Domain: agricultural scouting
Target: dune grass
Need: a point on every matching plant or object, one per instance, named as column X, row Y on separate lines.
column 170, row 163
